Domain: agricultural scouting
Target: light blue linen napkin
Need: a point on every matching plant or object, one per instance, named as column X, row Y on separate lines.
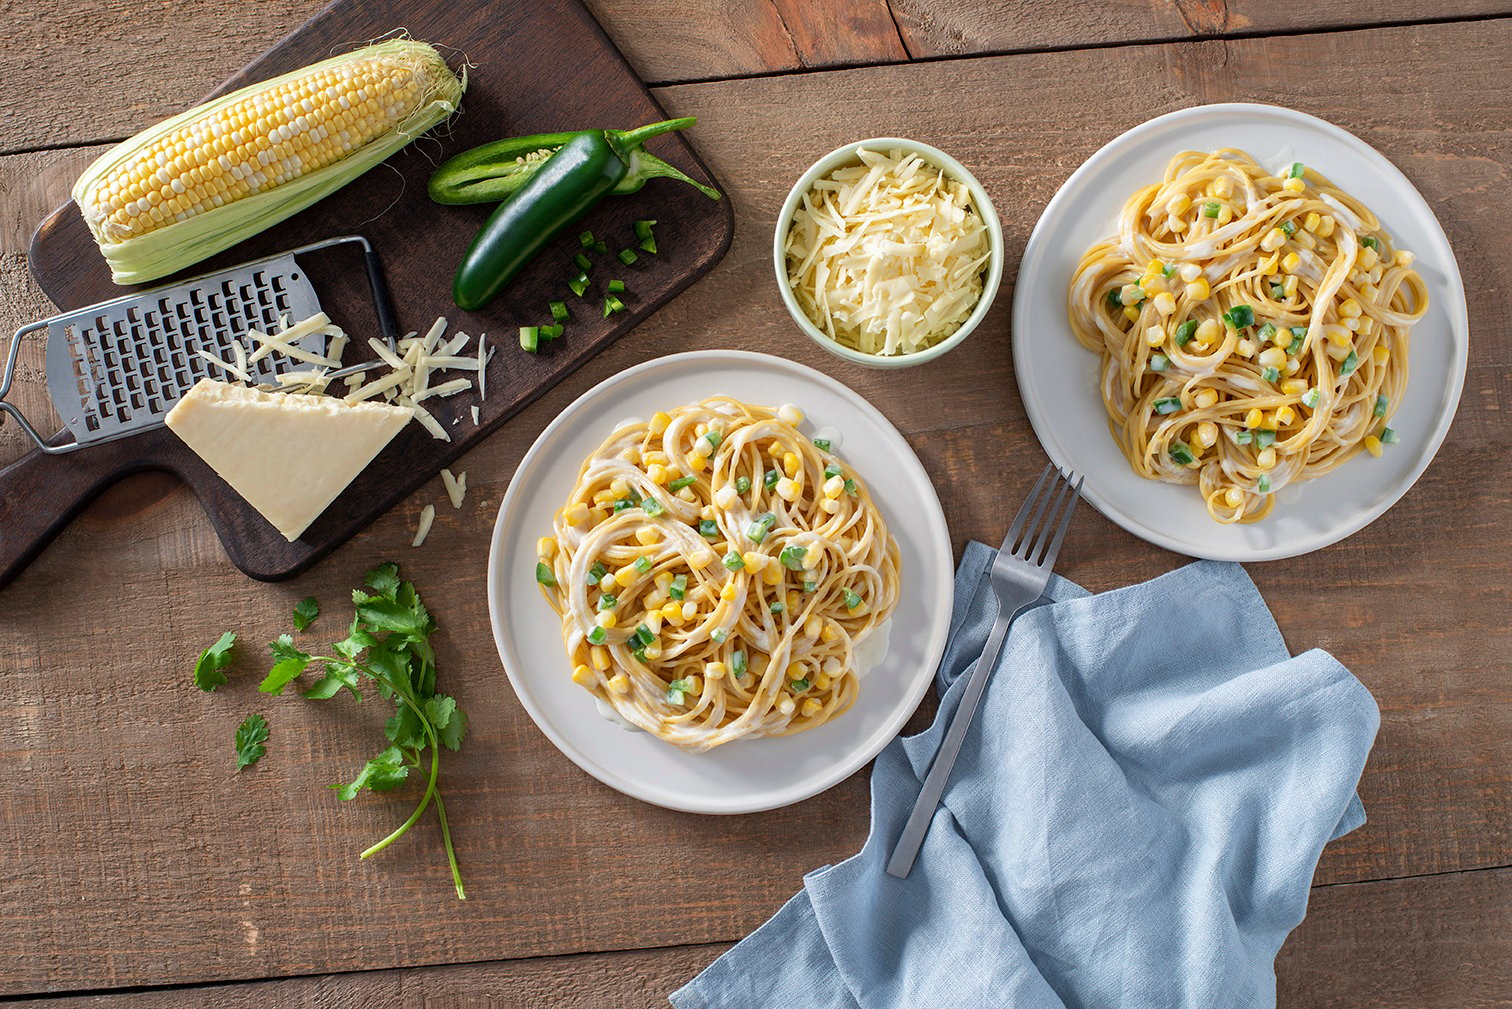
column 1133, row 822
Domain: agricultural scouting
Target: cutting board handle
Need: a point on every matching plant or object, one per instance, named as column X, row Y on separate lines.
column 41, row 493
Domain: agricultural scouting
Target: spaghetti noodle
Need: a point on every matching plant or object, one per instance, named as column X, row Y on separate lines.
column 715, row 570
column 1253, row 328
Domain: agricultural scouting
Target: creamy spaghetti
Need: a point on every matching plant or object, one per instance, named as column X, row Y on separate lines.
column 715, row 570
column 1253, row 328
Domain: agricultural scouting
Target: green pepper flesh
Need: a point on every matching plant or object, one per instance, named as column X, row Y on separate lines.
column 565, row 187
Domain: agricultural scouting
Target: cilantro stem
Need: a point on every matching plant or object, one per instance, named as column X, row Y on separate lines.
column 425, row 800
column 451, row 854
column 431, row 791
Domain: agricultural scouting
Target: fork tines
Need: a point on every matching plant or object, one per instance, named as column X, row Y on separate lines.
column 1036, row 534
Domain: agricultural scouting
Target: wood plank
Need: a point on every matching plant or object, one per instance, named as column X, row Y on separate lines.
column 1430, row 942
column 150, row 77
column 127, row 770
column 638, row 979
column 963, row 27
column 674, row 40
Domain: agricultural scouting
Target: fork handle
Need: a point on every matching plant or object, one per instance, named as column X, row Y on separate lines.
column 914, row 831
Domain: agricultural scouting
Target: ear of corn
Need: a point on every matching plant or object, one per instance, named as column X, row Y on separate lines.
column 204, row 180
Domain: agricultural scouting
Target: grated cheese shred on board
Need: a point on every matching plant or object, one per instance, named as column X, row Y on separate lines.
column 886, row 256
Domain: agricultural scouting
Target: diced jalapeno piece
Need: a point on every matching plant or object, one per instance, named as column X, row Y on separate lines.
column 757, row 530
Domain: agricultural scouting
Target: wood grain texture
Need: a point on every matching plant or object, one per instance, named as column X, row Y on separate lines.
column 1427, row 941
column 665, row 40
column 595, row 86
column 962, row 27
column 160, row 863
column 1396, row 944
column 674, row 40
column 122, row 74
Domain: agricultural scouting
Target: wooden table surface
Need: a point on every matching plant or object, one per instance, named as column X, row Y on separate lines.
column 138, row 870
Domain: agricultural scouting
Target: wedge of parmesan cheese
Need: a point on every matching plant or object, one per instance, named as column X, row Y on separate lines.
column 886, row 256
column 288, row 454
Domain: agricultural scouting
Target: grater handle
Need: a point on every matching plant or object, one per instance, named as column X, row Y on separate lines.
column 381, row 300
column 383, row 304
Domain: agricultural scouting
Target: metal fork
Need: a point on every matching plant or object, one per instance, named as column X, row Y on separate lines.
column 1019, row 575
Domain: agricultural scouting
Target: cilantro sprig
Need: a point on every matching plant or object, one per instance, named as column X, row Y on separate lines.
column 388, row 642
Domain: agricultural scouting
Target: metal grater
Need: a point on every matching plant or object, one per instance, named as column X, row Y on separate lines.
column 116, row 368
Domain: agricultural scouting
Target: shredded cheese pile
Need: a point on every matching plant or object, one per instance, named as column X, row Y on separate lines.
column 418, row 358
column 886, row 257
column 408, row 382
column 258, row 345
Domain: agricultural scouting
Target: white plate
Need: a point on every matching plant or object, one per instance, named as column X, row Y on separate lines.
column 747, row 775
column 1058, row 377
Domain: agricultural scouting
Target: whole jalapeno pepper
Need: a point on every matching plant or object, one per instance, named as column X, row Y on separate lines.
column 560, row 190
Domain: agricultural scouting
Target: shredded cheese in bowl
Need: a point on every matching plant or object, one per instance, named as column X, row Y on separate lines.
column 886, row 255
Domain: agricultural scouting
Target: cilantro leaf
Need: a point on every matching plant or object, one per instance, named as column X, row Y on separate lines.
column 357, row 641
column 405, row 728
column 383, row 579
column 449, row 721
column 338, row 676
column 207, row 670
column 305, row 612
column 394, row 667
column 394, row 616
column 381, row 774
column 250, row 737
column 289, row 662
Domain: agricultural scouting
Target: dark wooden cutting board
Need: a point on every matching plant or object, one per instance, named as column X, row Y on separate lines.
column 534, row 66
